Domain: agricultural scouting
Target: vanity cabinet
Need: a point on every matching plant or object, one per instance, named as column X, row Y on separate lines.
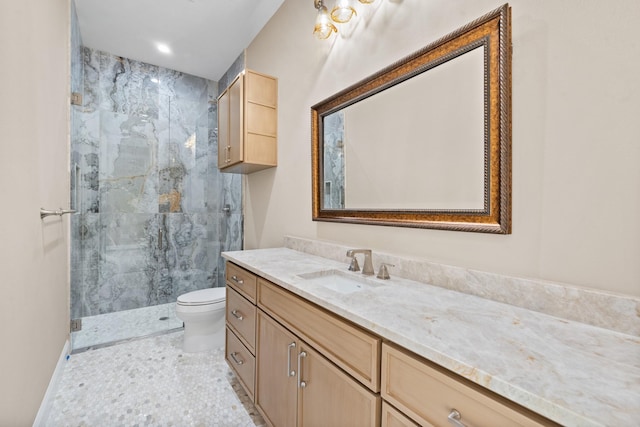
column 247, row 123
column 240, row 333
column 305, row 366
column 432, row 396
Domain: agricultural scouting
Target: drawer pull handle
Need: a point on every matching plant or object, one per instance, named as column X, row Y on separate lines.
column 290, row 372
column 301, row 384
column 235, row 359
column 238, row 281
column 454, row 418
column 237, row 314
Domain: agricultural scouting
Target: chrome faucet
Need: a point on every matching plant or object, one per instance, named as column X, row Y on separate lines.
column 367, row 269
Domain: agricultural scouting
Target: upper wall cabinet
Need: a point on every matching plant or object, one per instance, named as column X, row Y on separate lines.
column 247, row 124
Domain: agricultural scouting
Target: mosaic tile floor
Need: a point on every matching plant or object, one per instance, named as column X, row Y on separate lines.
column 150, row 382
column 110, row 327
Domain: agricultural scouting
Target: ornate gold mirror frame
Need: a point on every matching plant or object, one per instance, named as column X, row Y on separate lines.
column 493, row 32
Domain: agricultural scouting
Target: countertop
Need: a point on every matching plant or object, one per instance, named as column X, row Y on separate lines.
column 569, row 372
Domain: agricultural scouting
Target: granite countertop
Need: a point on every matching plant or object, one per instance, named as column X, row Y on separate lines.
column 569, row 372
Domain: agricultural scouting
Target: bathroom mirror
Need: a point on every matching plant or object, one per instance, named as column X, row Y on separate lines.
column 425, row 142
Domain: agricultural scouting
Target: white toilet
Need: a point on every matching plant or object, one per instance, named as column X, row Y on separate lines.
column 203, row 315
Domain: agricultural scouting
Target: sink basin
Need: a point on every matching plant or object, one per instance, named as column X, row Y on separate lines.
column 340, row 281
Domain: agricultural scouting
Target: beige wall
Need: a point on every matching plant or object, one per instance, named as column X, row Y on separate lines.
column 34, row 290
column 576, row 135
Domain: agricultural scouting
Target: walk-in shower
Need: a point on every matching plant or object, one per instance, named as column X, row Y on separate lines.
column 154, row 212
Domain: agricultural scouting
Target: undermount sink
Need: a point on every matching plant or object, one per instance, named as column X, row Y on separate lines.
column 340, row 281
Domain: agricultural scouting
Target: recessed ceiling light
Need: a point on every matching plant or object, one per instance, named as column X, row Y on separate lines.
column 163, row 48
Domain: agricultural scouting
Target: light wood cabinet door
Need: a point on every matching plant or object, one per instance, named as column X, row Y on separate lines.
column 236, row 121
column 248, row 124
column 276, row 384
column 223, row 129
column 329, row 397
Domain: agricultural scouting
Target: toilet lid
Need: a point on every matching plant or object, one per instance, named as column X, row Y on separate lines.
column 203, row 296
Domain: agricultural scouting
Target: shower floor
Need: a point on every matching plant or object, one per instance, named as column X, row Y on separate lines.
column 122, row 325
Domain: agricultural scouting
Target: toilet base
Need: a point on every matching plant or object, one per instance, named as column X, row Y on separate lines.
column 198, row 337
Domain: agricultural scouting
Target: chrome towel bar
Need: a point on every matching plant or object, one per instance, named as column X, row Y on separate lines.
column 45, row 213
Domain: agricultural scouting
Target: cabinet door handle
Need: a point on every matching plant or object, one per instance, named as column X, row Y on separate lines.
column 301, row 384
column 290, row 372
column 454, row 418
column 235, row 358
column 237, row 314
column 238, row 281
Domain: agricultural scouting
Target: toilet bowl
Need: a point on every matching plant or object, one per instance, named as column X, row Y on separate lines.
column 202, row 313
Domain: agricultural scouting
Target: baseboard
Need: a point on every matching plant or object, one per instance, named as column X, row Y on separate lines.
column 47, row 400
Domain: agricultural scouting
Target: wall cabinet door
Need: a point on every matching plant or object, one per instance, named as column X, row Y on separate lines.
column 223, row 129
column 236, row 121
column 276, row 384
column 248, row 124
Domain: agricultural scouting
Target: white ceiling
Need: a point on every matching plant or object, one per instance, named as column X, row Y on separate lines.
column 205, row 36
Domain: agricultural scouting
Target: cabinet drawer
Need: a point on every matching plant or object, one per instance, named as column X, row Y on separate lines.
column 241, row 361
column 242, row 281
column 241, row 318
column 391, row 417
column 348, row 346
column 428, row 394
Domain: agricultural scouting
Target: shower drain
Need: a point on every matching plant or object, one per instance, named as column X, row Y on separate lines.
column 164, row 318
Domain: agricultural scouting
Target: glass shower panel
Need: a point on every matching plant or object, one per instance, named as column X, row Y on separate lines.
column 145, row 182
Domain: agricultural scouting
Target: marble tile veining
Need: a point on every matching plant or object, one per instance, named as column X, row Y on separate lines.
column 598, row 308
column 150, row 382
column 572, row 373
column 145, row 183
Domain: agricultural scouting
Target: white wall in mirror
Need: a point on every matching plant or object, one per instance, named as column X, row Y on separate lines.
column 402, row 151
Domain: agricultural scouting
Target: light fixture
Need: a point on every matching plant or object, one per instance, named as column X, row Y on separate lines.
column 163, row 48
column 324, row 27
column 343, row 11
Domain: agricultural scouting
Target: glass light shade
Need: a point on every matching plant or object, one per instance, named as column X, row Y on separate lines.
column 366, row 1
column 343, row 11
column 324, row 27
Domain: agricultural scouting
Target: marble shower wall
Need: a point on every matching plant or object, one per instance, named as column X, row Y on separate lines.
column 145, row 181
column 333, row 185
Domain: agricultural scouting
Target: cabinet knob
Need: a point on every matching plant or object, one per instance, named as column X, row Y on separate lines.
column 237, row 314
column 238, row 281
column 454, row 418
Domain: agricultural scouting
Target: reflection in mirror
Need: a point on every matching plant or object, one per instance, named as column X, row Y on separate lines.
column 375, row 164
column 425, row 142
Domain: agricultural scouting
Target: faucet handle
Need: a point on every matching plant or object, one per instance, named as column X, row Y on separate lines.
column 354, row 263
column 383, row 272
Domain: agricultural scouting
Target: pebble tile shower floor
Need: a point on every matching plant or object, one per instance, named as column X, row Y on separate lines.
column 150, row 382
